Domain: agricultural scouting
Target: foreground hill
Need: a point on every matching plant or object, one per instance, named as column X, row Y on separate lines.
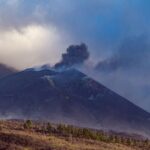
column 71, row 97
column 19, row 135
column 5, row 70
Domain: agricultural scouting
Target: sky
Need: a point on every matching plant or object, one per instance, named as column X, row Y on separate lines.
column 35, row 32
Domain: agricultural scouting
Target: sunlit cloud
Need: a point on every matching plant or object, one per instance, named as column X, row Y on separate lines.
column 32, row 45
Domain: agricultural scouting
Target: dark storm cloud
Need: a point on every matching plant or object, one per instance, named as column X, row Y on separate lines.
column 100, row 23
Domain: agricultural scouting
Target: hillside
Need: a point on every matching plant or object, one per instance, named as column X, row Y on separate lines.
column 71, row 97
column 5, row 70
column 45, row 136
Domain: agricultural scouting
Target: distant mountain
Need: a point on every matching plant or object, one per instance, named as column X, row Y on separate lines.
column 5, row 70
column 69, row 96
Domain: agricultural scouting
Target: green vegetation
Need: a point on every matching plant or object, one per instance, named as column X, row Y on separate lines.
column 28, row 124
column 85, row 133
column 35, row 135
column 49, row 128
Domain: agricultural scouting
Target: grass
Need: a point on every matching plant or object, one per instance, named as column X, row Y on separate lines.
column 13, row 136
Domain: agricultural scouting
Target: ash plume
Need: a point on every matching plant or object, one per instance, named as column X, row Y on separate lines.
column 127, row 70
column 132, row 54
column 75, row 55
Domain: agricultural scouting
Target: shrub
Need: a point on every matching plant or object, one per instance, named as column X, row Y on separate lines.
column 61, row 129
column 28, row 124
column 49, row 127
column 70, row 129
column 129, row 142
column 146, row 142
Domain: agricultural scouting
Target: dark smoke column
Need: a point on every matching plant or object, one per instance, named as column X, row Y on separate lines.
column 75, row 55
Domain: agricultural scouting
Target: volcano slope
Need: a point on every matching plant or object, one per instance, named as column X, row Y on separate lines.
column 6, row 70
column 69, row 96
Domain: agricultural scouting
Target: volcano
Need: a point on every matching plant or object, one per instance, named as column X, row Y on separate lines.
column 68, row 96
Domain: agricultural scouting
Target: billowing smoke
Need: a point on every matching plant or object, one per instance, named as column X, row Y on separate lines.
column 134, row 53
column 127, row 70
column 75, row 55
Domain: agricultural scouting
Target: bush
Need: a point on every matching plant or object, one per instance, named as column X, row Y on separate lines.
column 61, row 129
column 70, row 129
column 28, row 124
column 129, row 142
column 88, row 134
column 49, row 128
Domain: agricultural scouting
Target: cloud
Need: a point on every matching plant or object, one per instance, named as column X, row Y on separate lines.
column 31, row 45
column 101, row 24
